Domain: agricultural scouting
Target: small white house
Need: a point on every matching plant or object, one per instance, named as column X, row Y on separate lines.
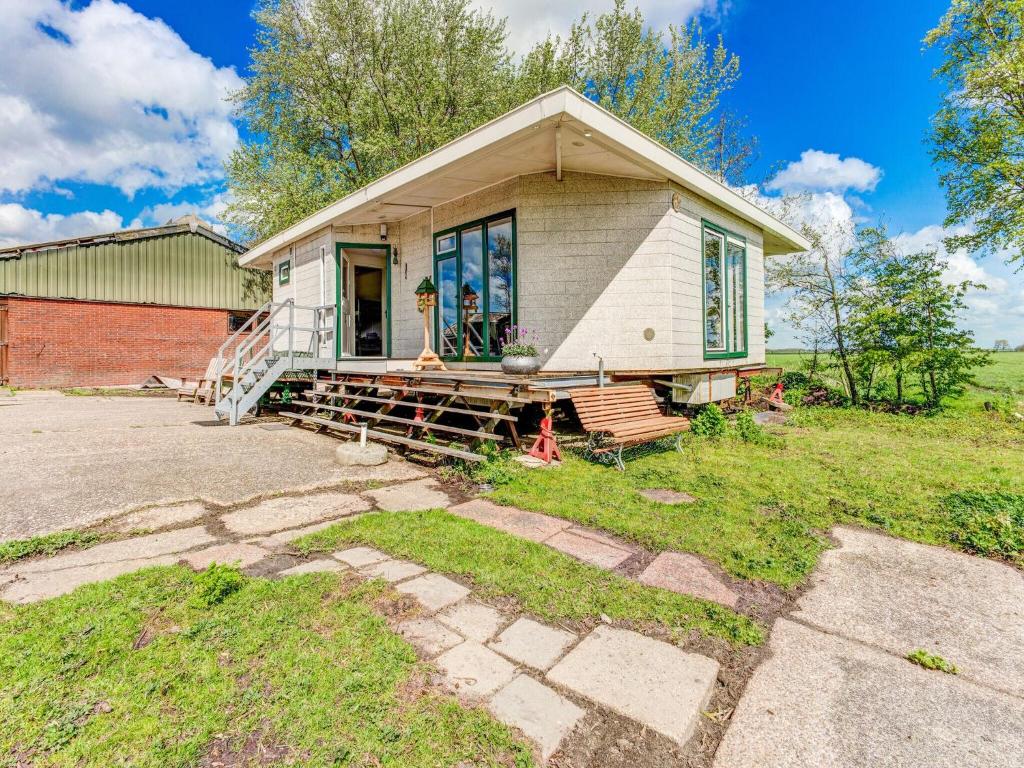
column 557, row 217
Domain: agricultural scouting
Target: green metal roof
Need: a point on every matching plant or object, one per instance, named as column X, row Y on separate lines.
column 181, row 264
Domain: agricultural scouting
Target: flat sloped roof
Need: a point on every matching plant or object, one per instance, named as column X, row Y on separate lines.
column 560, row 128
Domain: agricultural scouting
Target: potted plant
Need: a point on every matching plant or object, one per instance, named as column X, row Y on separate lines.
column 518, row 353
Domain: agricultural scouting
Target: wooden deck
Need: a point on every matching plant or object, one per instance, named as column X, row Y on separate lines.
column 450, row 413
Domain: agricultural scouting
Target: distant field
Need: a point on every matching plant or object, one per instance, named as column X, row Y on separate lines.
column 1005, row 375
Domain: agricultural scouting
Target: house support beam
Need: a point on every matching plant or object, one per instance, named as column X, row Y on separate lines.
column 558, row 152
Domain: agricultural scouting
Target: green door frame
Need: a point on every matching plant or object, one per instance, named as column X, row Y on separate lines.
column 386, row 247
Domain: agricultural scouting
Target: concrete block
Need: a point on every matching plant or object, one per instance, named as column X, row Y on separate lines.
column 473, row 620
column 434, row 591
column 475, row 671
column 291, row 512
column 527, row 525
column 654, row 683
column 589, row 549
column 421, row 494
column 360, row 557
column 315, row 566
column 429, row 636
column 355, row 455
column 393, row 570
column 536, row 710
column 241, row 555
column 687, row 575
column 533, row 643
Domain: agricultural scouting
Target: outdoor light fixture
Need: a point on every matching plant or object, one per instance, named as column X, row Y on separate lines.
column 394, row 256
column 383, row 232
column 587, row 134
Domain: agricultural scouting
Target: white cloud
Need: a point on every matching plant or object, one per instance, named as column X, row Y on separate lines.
column 818, row 171
column 960, row 265
column 21, row 226
column 103, row 94
column 532, row 20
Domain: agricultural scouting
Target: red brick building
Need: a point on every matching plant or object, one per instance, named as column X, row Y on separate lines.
column 115, row 309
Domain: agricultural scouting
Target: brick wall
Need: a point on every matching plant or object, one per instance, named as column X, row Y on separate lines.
column 68, row 343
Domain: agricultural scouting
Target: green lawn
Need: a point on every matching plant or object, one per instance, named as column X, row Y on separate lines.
column 763, row 510
column 302, row 667
column 543, row 581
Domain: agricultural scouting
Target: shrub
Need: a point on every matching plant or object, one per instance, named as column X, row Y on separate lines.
column 710, row 422
column 215, row 584
column 989, row 524
column 749, row 430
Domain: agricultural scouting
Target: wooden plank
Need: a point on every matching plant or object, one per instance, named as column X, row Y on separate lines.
column 377, row 416
column 413, row 404
column 387, row 437
column 476, row 392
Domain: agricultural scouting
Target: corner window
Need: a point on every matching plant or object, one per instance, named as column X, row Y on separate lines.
column 284, row 272
column 474, row 270
column 724, row 262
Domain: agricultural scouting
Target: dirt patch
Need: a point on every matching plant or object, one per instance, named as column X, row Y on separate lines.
column 255, row 749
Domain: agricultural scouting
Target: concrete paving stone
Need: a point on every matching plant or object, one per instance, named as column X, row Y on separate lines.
column 687, row 575
column 654, row 683
column 589, row 549
column 393, row 570
column 901, row 596
column 536, row 710
column 434, row 591
column 473, row 620
column 360, row 557
column 136, row 548
column 475, row 671
column 533, row 643
column 667, row 496
column 526, row 525
column 159, row 517
column 429, row 636
column 69, row 462
column 406, row 497
column 824, row 701
column 314, row 566
column 42, row 585
column 241, row 555
column 291, row 512
column 283, row 538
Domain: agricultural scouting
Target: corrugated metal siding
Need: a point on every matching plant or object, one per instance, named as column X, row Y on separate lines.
column 184, row 270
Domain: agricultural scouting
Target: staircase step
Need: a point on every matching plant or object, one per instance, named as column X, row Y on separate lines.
column 388, row 437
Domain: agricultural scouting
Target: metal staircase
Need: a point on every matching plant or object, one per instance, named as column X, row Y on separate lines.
column 276, row 340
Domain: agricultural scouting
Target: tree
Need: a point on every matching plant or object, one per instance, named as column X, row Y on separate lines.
column 978, row 133
column 903, row 317
column 669, row 88
column 344, row 91
column 819, row 284
column 1001, row 345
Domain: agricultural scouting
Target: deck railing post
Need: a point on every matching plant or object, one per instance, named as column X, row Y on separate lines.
column 291, row 334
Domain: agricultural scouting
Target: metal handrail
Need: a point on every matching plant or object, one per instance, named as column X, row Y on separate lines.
column 261, row 327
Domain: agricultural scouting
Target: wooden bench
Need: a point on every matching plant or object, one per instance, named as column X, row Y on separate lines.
column 618, row 417
column 202, row 390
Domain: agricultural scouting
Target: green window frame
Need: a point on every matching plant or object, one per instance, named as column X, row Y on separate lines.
column 453, row 263
column 284, row 272
column 724, row 319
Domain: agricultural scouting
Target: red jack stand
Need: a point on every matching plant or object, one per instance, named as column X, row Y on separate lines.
column 545, row 448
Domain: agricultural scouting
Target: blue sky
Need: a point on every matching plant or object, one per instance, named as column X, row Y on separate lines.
column 110, row 118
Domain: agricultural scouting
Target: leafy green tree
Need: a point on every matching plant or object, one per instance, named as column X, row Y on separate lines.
column 345, row 91
column 978, row 133
column 904, row 317
column 669, row 87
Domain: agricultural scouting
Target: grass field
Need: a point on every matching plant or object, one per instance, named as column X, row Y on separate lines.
column 301, row 671
column 1005, row 376
column 763, row 510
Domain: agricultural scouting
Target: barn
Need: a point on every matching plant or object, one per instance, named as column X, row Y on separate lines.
column 114, row 309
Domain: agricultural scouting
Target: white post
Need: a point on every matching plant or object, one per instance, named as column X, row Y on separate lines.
column 362, row 435
column 291, row 334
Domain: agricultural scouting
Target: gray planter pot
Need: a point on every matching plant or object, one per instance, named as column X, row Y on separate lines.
column 517, row 365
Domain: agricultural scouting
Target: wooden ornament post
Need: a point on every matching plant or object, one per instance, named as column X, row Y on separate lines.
column 426, row 297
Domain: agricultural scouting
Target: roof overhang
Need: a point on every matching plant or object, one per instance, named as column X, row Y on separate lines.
column 560, row 130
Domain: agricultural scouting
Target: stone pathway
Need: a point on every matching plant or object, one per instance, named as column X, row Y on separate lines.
column 538, row 678
column 837, row 689
column 675, row 571
column 541, row 679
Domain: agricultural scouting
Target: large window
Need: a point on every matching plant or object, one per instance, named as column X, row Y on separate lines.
column 725, row 293
column 474, row 269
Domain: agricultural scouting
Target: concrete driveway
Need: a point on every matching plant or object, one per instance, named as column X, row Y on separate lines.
column 67, row 462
